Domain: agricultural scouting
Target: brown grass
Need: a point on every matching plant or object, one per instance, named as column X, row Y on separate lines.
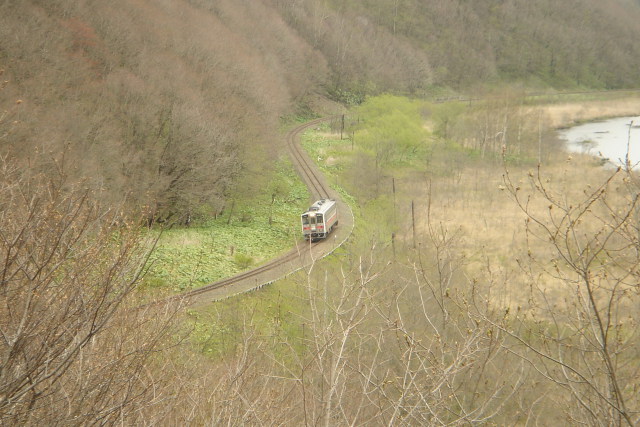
column 472, row 201
column 563, row 115
column 475, row 204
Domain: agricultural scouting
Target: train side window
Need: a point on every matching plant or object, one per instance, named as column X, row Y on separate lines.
column 319, row 218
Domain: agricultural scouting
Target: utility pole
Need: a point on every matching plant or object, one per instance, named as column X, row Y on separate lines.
column 413, row 224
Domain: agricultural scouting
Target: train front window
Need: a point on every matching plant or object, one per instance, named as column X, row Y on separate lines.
column 305, row 219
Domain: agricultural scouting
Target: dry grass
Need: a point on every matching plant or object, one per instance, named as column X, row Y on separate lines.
column 474, row 204
column 563, row 115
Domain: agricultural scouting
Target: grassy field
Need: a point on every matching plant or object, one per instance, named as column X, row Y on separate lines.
column 189, row 257
column 563, row 113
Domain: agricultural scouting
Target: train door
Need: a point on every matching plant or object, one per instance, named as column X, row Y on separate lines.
column 320, row 224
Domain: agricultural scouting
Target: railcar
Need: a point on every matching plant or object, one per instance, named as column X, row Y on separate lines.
column 320, row 219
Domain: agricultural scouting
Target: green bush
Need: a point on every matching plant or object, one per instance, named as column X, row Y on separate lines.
column 242, row 261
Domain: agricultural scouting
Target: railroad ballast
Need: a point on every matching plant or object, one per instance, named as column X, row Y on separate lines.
column 320, row 219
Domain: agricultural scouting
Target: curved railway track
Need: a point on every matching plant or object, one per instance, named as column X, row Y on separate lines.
column 294, row 259
column 276, row 262
column 311, row 177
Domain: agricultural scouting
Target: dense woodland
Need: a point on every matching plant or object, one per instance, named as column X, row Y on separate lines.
column 509, row 297
column 165, row 104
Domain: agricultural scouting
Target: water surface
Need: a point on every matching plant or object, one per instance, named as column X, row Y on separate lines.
column 608, row 139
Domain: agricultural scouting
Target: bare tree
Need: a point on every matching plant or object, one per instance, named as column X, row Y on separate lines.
column 583, row 263
column 389, row 344
column 72, row 349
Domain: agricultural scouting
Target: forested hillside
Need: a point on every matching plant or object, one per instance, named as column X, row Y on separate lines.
column 491, row 278
column 167, row 104
column 413, row 46
column 161, row 103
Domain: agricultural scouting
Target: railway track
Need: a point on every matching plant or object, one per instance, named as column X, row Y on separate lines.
column 296, row 258
column 276, row 262
column 307, row 171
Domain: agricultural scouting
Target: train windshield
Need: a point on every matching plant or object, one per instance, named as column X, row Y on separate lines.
column 305, row 219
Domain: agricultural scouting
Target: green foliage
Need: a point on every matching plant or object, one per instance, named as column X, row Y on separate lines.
column 327, row 149
column 350, row 97
column 443, row 115
column 392, row 129
column 242, row 261
column 303, row 114
column 273, row 312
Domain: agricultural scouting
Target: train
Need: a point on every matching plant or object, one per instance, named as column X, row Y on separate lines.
column 319, row 219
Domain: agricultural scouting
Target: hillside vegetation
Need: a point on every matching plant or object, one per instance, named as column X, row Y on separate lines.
column 490, row 279
column 412, row 46
column 159, row 103
column 167, row 104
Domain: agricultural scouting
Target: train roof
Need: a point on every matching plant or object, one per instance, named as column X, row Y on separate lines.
column 321, row 206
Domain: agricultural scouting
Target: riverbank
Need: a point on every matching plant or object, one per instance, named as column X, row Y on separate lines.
column 565, row 115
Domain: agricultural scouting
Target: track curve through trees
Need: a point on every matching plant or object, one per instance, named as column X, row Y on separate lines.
column 304, row 254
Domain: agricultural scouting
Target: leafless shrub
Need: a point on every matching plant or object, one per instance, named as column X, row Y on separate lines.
column 72, row 348
column 580, row 330
column 378, row 343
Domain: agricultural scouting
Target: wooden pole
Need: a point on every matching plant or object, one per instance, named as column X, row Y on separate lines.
column 393, row 244
column 393, row 185
column 413, row 224
column 429, row 204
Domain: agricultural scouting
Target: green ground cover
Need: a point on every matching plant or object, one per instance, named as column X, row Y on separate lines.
column 326, row 148
column 332, row 155
column 190, row 257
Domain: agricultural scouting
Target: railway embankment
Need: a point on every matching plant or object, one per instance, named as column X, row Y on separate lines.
column 305, row 254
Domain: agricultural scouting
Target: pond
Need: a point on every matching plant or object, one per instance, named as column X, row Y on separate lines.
column 608, row 139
